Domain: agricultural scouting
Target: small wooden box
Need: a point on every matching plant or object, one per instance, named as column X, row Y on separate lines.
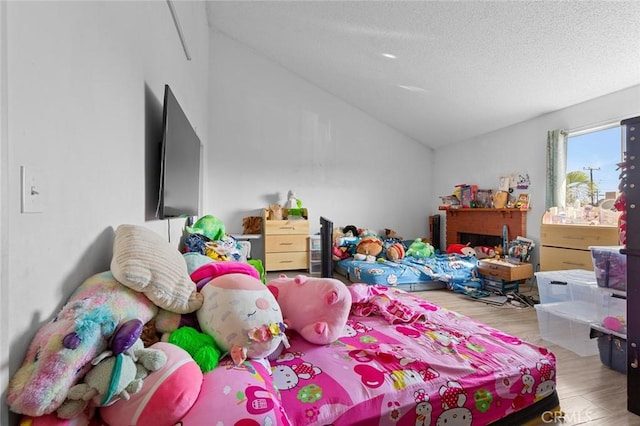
column 503, row 270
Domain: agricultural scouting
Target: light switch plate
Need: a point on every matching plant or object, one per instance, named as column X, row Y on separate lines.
column 32, row 181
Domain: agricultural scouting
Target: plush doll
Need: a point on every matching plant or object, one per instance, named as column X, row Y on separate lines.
column 395, row 251
column 368, row 249
column 463, row 249
column 116, row 374
column 60, row 353
column 166, row 396
column 483, row 252
column 420, row 249
column 241, row 315
column 316, row 308
column 209, row 226
column 145, row 262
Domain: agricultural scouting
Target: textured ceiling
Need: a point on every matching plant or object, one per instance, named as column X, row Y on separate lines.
column 470, row 67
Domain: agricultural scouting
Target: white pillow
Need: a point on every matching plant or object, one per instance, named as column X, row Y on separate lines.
column 145, row 262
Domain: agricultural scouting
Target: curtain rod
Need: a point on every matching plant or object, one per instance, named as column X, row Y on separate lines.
column 602, row 125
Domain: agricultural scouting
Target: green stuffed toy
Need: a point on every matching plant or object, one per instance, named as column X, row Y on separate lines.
column 209, row 226
column 200, row 346
column 420, row 249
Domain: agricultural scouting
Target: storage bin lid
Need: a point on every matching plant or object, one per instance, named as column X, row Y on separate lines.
column 573, row 276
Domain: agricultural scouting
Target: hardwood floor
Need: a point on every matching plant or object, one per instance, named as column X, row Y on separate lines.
column 590, row 393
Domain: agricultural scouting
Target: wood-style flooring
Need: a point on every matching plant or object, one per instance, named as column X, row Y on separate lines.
column 590, row 393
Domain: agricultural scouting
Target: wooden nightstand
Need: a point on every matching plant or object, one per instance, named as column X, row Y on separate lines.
column 286, row 245
column 502, row 275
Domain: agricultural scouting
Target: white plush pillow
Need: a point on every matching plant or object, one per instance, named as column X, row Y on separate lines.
column 145, row 262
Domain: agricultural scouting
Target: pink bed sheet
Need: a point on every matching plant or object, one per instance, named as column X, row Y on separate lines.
column 427, row 365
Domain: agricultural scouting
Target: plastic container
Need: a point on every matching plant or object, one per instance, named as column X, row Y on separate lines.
column 612, row 349
column 610, row 266
column 567, row 324
column 567, row 286
column 612, row 312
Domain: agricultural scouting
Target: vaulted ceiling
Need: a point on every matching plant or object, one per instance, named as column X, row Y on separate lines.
column 443, row 72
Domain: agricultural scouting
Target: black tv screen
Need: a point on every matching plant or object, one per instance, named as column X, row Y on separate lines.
column 326, row 243
column 180, row 162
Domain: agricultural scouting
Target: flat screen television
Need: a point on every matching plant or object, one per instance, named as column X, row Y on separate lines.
column 181, row 149
column 326, row 242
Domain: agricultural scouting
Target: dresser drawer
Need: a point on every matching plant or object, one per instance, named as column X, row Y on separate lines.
column 555, row 258
column 285, row 243
column 503, row 271
column 578, row 236
column 285, row 261
column 286, row 227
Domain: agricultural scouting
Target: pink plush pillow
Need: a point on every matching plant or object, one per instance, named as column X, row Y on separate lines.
column 237, row 395
column 167, row 394
column 317, row 308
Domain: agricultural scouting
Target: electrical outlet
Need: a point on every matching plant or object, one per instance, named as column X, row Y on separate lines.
column 32, row 182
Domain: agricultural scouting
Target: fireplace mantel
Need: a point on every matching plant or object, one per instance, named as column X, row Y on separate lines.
column 484, row 222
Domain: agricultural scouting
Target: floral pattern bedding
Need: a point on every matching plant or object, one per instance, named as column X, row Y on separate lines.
column 401, row 361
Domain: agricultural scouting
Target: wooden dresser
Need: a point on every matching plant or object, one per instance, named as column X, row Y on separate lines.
column 567, row 246
column 286, row 243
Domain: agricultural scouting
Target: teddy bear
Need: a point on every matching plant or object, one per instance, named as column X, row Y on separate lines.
column 113, row 376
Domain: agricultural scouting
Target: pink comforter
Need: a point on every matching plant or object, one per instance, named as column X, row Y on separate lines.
column 405, row 362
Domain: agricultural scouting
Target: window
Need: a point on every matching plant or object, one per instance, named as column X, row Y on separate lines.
column 593, row 156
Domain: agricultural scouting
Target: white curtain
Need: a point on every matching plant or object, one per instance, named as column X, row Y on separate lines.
column 556, row 168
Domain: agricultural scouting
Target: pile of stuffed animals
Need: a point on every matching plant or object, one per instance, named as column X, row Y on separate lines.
column 365, row 245
column 119, row 329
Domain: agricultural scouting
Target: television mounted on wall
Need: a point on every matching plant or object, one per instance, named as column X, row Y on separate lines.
column 179, row 194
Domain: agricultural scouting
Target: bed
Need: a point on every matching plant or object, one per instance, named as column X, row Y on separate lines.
column 427, row 366
column 400, row 360
column 409, row 273
column 414, row 274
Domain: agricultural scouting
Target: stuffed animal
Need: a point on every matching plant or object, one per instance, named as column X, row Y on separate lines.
column 316, row 308
column 395, row 251
column 115, row 374
column 145, row 262
column 483, row 252
column 462, row 249
column 61, row 351
column 209, row 226
column 200, row 346
column 420, row 249
column 242, row 316
column 166, row 396
column 368, row 249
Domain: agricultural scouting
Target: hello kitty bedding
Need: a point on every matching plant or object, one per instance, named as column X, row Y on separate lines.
column 401, row 361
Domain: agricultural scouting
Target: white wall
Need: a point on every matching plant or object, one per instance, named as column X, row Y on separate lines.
column 522, row 148
column 84, row 103
column 271, row 131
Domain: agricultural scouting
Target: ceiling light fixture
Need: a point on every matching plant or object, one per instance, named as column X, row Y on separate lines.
column 389, row 55
column 412, row 88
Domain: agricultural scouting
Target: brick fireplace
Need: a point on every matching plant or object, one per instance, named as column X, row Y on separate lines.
column 486, row 224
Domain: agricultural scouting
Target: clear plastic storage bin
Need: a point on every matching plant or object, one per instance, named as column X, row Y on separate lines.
column 568, row 324
column 567, row 286
column 610, row 266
